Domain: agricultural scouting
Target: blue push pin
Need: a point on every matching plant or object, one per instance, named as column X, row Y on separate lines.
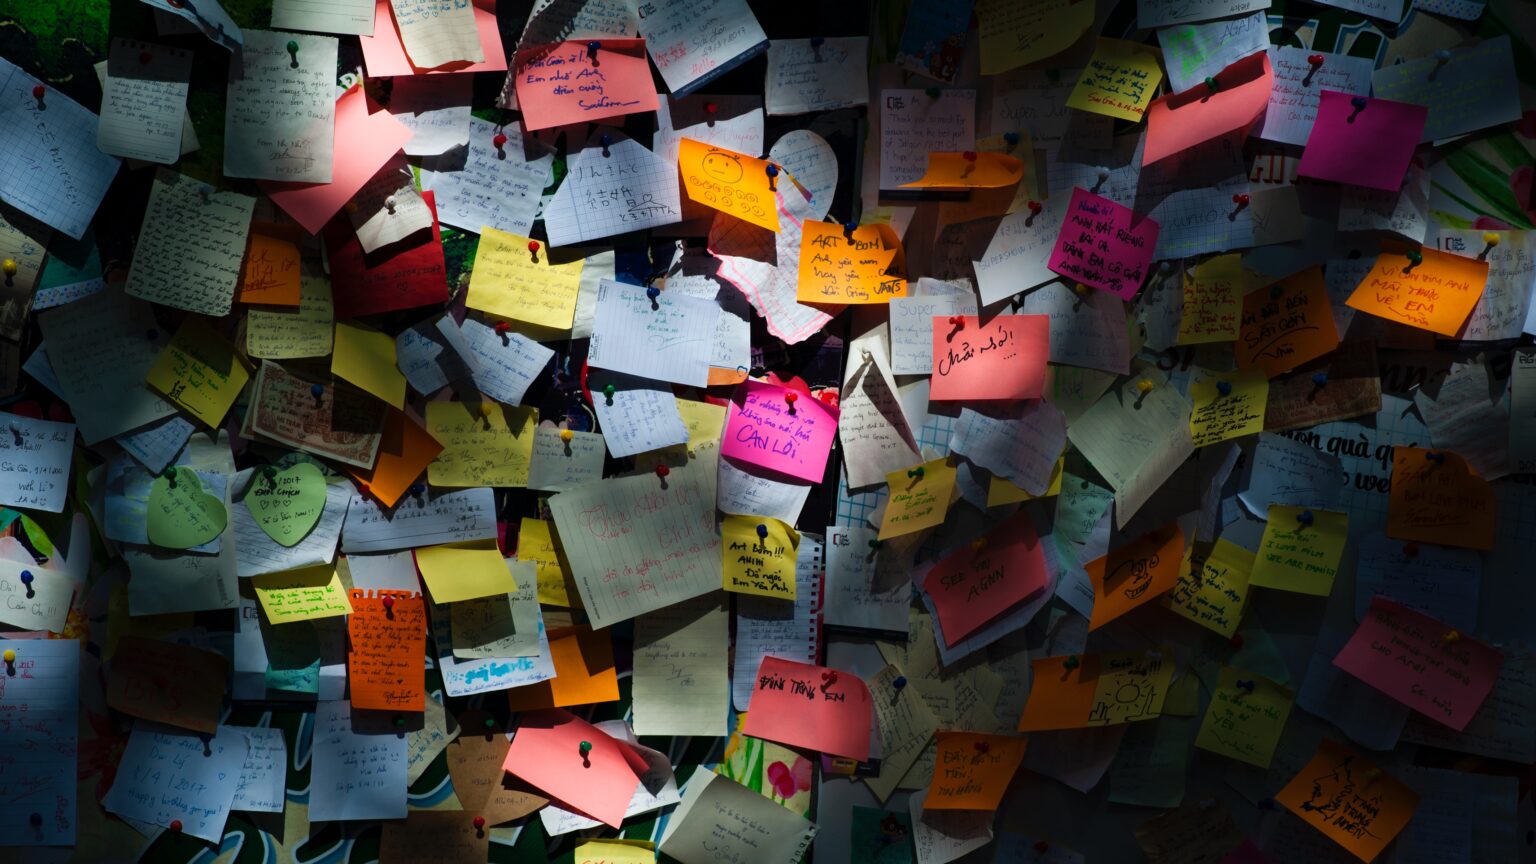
column 317, row 390
column 773, row 174
column 592, row 51
column 1437, row 458
column 1224, row 388
column 653, row 292
column 605, row 141
column 900, row 682
column 1012, row 138
column 26, row 579
column 1320, row 378
column 1304, row 517
column 848, row 229
column 818, row 41
column 418, row 489
column 762, row 532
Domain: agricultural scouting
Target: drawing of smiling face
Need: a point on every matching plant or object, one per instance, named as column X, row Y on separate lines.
column 722, row 166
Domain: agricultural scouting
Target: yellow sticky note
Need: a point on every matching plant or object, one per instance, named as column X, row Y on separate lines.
column 919, row 498
column 536, row 545
column 1212, row 592
column 1301, row 550
column 733, row 183
column 520, row 284
column 1014, row 34
column 1227, row 405
column 484, row 443
column 200, row 372
column 1245, row 718
column 704, row 421
column 759, row 556
column 366, row 357
column 286, row 333
column 1213, row 301
column 301, row 595
column 1120, row 81
column 464, row 571
column 1002, row 491
column 616, row 852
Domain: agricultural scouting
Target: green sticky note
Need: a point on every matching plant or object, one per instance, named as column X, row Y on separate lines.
column 181, row 515
column 287, row 504
column 302, row 680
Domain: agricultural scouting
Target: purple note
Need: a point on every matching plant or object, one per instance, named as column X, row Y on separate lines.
column 1362, row 141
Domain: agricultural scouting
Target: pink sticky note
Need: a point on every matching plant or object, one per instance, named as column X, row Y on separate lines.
column 987, row 578
column 1424, row 664
column 1001, row 358
column 384, row 54
column 1181, row 120
column 568, row 83
column 547, row 753
column 760, row 429
column 1362, row 146
column 1104, row 245
column 364, row 142
column 804, row 705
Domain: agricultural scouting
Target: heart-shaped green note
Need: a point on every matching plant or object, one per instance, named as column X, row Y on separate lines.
column 287, row 504
column 181, row 514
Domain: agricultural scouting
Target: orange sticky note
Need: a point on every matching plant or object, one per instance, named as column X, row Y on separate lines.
column 576, row 763
column 1435, row 293
column 969, row 170
column 1436, row 497
column 568, row 83
column 804, row 705
column 387, row 640
column 1139, row 572
column 1239, row 98
column 1079, row 691
column 972, row 770
column 168, row 683
column 1353, row 802
column 839, row 267
column 405, row 451
column 731, row 182
column 584, row 673
column 1286, row 324
column 270, row 276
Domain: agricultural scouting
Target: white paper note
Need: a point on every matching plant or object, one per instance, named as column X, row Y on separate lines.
column 144, row 100
column 191, row 246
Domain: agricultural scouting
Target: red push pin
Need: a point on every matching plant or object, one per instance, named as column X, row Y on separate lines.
column 479, row 823
column 502, row 327
column 1236, row 641
column 982, row 747
column 389, row 604
column 969, row 155
column 1035, row 207
column 533, row 249
column 829, row 676
column 499, row 140
column 1315, row 60
column 662, row 471
column 789, row 397
column 175, row 826
column 38, row 93
column 711, row 109
column 1240, row 199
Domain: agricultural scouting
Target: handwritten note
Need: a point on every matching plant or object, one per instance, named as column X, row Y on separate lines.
column 200, row 371
column 167, row 776
column 1246, row 717
column 1079, row 691
column 600, row 779
column 1104, row 245
column 484, row 444
column 340, row 423
column 400, row 277
column 1135, row 574
column 386, row 643
column 1367, row 146
column 302, row 595
column 497, row 187
column 667, row 338
column 758, row 556
column 1349, row 800
column 1227, row 406
column 513, row 282
column 804, row 76
column 437, row 32
column 34, row 462
column 611, row 189
column 1212, row 590
column 682, row 677
column 1298, row 86
column 973, row 770
column 1002, row 569
column 1469, row 91
column 1120, row 80
column 1437, row 498
column 564, row 459
column 1000, row 358
column 189, row 252
column 1287, row 324
column 804, row 705
column 914, row 124
column 715, row 807
column 1019, row 34
column 919, row 497
column 279, row 118
column 1022, row 446
column 1436, row 292
column 42, row 753
column 143, row 100
column 561, row 84
column 167, row 683
column 736, row 184
column 355, row 774
column 841, row 267
column 1301, row 550
column 288, row 334
column 696, row 41
column 765, row 428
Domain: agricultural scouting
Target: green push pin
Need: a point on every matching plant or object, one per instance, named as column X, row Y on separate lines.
column 293, row 54
column 399, row 722
column 586, row 748
column 1415, row 258
column 916, row 472
column 1071, row 662
column 608, row 391
column 1210, row 83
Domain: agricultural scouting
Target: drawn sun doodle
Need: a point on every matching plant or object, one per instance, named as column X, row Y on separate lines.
column 724, row 167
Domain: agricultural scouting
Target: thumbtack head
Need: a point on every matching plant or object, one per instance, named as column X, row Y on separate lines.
column 791, row 396
column 605, row 140
column 594, row 45
column 1359, row 103
column 850, row 227
column 498, row 140
column 36, row 820
column 1240, row 199
column 26, row 577
column 39, row 91
column 533, row 245
column 176, row 825
column 317, row 390
column 652, row 292
column 1210, row 82
column 875, row 544
column 762, row 532
column 567, row 435
column 399, row 721
column 586, row 747
column 9, row 656
column 9, row 267
column 969, row 155
column 1236, row 641
column 1224, row 388
column 1320, row 378
column 1415, row 256
column 1451, row 636
column 916, row 472
column 933, row 92
column 1491, row 238
column 818, row 41
column 1035, row 206
column 1443, row 55
column 662, row 471
column 502, row 327
column 1304, row 517
column 900, row 682
column 1011, row 137
column 1071, row 662
column 1315, row 60
column 771, row 170
column 711, row 108
column 490, row 722
column 956, row 321
column 478, row 822
column 293, row 46
column 982, row 746
column 389, row 602
column 1145, row 386
column 609, row 390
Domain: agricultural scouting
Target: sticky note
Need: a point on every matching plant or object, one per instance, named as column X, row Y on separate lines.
column 302, row 595
column 1437, row 498
column 598, row 779
column 972, row 770
column 164, row 682
column 270, row 273
column 1104, row 245
column 1286, row 324
column 765, row 428
column 1227, row 103
column 517, row 281
column 398, row 277
column 405, row 451
column 180, row 514
column 1213, row 300
column 1212, row 591
column 386, row 638
column 484, row 443
column 1002, row 357
column 1135, row 574
column 1079, row 691
column 969, row 169
column 1120, row 80
column 919, row 497
column 617, row 851
column 733, row 183
column 366, row 357
column 1370, row 145
column 200, row 372
column 759, row 556
column 1353, row 802
column 1227, row 405
column 1019, row 34
column 987, row 577
column 1421, row 662
column 809, row 706
column 839, row 267
column 536, row 544
column 1245, row 718
column 584, row 673
column 1301, row 550
column 566, row 83
column 464, row 571
column 1435, row 293
column 294, row 332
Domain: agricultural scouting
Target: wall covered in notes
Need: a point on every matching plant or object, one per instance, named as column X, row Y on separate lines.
column 698, row 431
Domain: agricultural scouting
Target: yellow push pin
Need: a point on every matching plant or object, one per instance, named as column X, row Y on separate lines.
column 567, row 435
column 1451, row 636
column 10, row 656
column 9, row 267
column 1490, row 240
column 1080, row 288
column 1144, row 386
column 978, row 544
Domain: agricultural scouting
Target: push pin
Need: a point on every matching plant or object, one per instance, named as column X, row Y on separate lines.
column 1320, row 378
column 978, row 544
column 1316, row 62
column 1451, row 636
column 499, row 141
column 1490, row 240
column 567, row 436
column 205, row 194
column 389, row 607
column 1145, row 386
column 915, row 473
column 10, row 661
column 36, row 821
column 26, row 580
column 1358, row 103
column 790, row 397
column 608, row 391
column 848, row 229
column 1224, row 388
column 828, row 677
column 533, row 250
column 1442, row 57
column 970, row 159
column 504, row 330
column 653, row 294
column 710, row 110
column 1276, row 290
column 389, row 205
column 1246, row 686
column 1240, row 200
column 1432, row 456
column 417, row 490
column 934, row 92
column 479, row 823
column 10, row 268
column 606, row 141
column 1071, row 662
column 762, row 531
column 1212, row 84
column 1415, row 258
column 1053, row 75
column 1304, row 518
column 874, row 545
column 956, row 323
column 773, row 175
column 170, row 475
column 586, row 749
column 16, row 433
column 1103, row 174
column 38, row 93
column 900, row 683
column 982, row 746
column 293, row 54
column 175, row 826
column 661, row 474
column 592, row 51
column 146, row 58
column 1034, row 208
column 1236, row 642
